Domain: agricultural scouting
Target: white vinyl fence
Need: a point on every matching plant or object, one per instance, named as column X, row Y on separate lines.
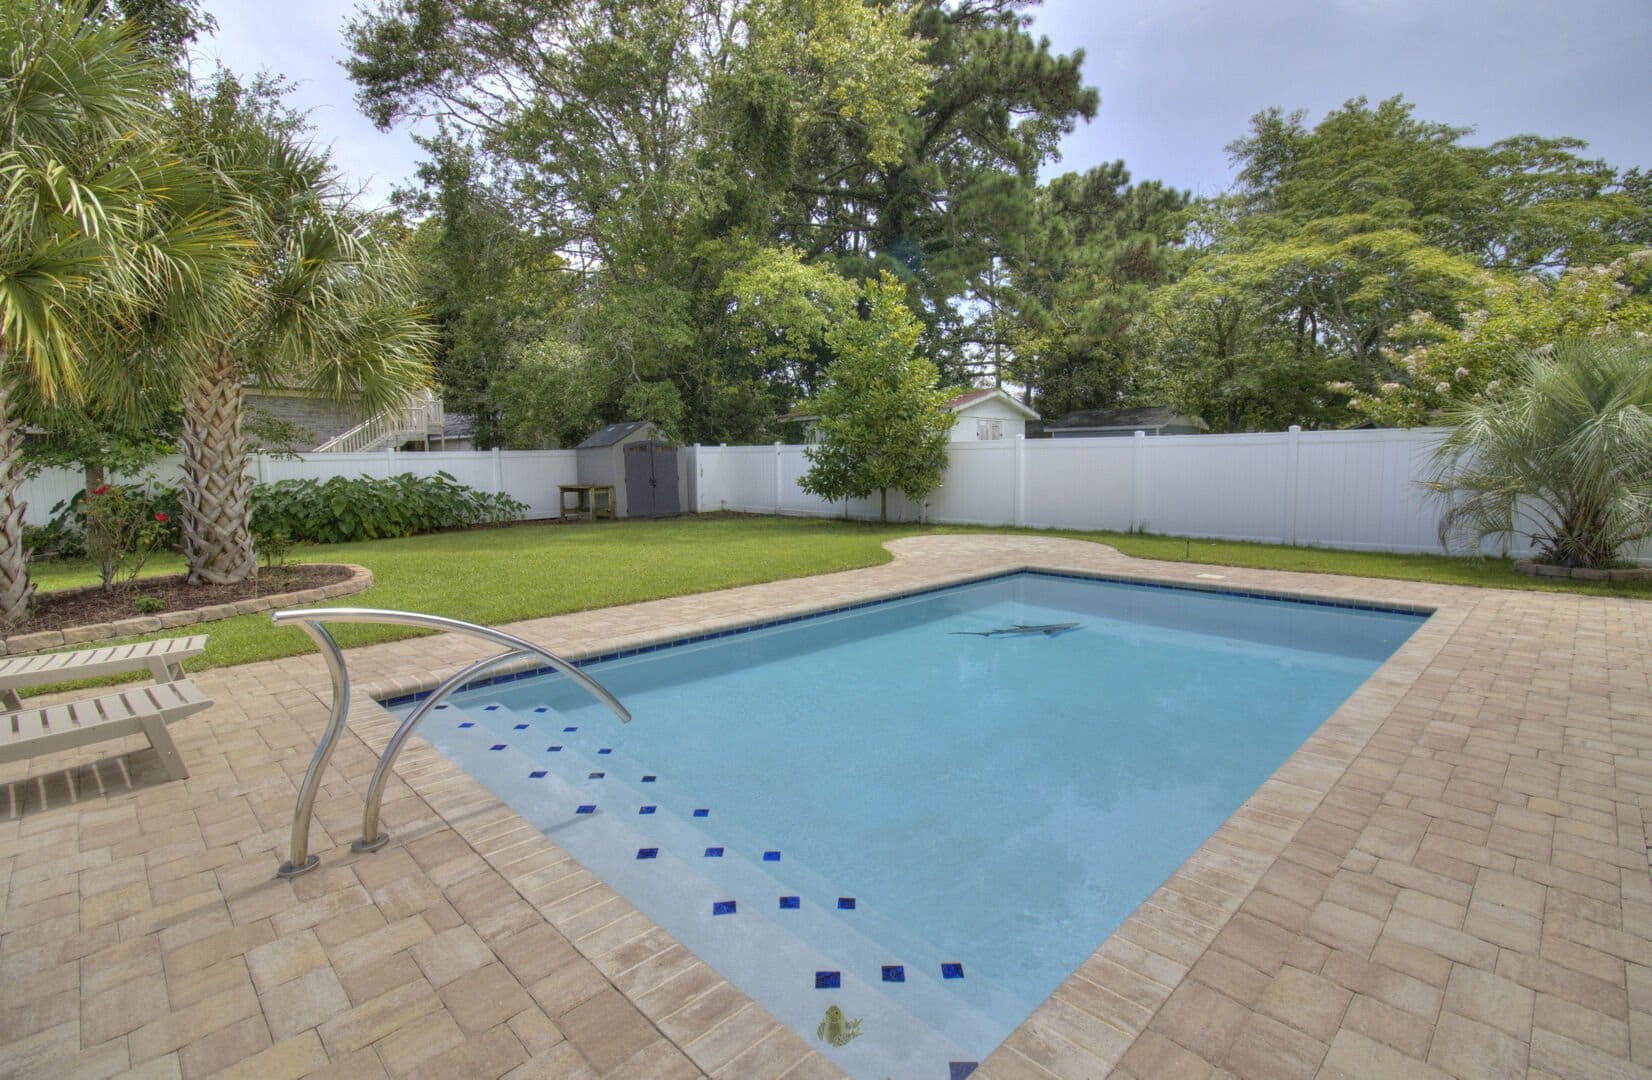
column 529, row 476
column 1361, row 490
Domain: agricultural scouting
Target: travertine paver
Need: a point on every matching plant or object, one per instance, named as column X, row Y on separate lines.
column 1449, row 878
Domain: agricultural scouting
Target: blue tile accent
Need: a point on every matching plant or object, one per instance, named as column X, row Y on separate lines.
column 647, row 809
column 828, row 980
column 568, row 729
column 961, row 1070
column 649, row 779
column 648, row 853
column 543, row 708
column 537, row 774
column 722, row 907
column 520, row 727
column 952, row 971
column 489, row 708
column 771, row 856
column 497, row 746
column 894, row 973
column 587, row 808
column 595, row 775
column 714, row 853
column 790, row 903
column 702, row 812
column 443, row 705
column 553, row 749
column 468, row 723
column 846, row 903
column 606, row 750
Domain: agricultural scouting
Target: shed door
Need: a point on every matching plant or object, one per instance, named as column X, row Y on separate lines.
column 650, row 480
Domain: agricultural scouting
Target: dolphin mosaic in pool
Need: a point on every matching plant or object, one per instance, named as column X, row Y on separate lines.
column 848, row 811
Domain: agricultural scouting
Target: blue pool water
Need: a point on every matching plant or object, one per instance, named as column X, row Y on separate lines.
column 927, row 828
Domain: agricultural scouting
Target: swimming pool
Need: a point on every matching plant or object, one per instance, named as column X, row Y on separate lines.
column 894, row 811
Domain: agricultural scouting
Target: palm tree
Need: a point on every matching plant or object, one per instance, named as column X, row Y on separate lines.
column 1563, row 455
column 327, row 311
column 105, row 232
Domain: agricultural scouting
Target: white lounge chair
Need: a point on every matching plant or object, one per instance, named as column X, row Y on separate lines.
column 163, row 657
column 146, row 710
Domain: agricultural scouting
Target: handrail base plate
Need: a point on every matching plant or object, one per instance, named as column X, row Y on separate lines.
column 361, row 845
column 288, row 870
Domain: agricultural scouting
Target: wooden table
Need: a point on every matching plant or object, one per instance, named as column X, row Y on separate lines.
column 591, row 501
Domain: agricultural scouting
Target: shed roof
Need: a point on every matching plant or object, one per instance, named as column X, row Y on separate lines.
column 974, row 397
column 613, row 433
column 1147, row 416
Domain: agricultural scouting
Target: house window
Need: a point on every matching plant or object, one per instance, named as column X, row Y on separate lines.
column 987, row 430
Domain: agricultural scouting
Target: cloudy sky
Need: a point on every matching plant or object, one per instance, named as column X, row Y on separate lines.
column 1178, row 78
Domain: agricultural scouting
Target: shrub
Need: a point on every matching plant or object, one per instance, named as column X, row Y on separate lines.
column 339, row 510
column 123, row 528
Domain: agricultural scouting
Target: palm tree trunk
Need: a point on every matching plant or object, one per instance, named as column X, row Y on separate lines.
column 15, row 587
column 217, row 537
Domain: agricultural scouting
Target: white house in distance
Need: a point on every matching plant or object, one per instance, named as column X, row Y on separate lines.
column 982, row 416
column 988, row 415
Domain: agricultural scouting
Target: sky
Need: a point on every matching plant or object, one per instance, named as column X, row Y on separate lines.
column 1179, row 79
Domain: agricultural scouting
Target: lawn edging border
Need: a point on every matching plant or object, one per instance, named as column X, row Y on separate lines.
column 360, row 580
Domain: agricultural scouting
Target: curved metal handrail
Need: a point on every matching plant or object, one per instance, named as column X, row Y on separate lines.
column 310, row 620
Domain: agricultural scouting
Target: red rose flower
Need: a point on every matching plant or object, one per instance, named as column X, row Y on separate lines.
column 160, row 517
column 104, row 490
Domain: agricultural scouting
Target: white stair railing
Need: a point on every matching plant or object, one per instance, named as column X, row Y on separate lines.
column 420, row 418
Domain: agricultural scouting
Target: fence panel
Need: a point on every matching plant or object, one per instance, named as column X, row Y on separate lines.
column 980, row 485
column 1079, row 483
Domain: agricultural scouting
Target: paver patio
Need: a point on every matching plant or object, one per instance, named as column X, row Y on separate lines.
column 1449, row 878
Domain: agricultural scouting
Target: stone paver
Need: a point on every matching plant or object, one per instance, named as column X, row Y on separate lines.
column 1449, row 878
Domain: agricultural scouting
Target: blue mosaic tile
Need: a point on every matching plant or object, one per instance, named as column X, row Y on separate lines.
column 648, row 853
column 489, row 708
column 537, row 774
column 828, row 980
column 646, row 809
column 606, row 750
column 520, row 727
column 702, row 813
column 442, row 706
column 568, row 729
column 543, row 708
column 497, row 746
column 961, row 1070
column 649, row 779
column 714, row 853
column 790, row 903
column 553, row 749
column 595, row 775
column 587, row 808
column 468, row 723
column 722, row 907
column 771, row 856
column 952, row 971
column 894, row 973
column 846, row 903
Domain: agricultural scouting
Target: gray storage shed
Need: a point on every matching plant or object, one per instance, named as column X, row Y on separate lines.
column 646, row 472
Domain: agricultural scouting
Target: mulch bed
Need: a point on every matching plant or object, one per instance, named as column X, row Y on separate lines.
column 82, row 607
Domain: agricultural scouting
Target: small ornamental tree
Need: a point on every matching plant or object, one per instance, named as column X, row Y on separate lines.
column 882, row 419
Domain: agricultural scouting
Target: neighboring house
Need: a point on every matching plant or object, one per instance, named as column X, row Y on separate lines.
column 421, row 424
column 988, row 415
column 982, row 416
column 1100, row 423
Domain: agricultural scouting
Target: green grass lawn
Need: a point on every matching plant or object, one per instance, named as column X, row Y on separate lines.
column 495, row 576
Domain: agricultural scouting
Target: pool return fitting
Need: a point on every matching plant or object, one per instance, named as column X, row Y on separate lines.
column 310, row 620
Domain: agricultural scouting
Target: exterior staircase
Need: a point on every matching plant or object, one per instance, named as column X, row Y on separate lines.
column 419, row 419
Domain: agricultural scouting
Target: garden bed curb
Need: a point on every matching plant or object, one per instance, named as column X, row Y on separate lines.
column 359, row 580
column 1580, row 573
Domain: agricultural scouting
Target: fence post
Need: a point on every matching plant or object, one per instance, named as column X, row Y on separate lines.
column 1020, row 480
column 498, row 472
column 389, row 462
column 1293, row 447
column 258, row 468
column 777, row 478
column 1138, row 466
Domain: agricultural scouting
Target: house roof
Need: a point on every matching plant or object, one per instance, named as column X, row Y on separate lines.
column 975, row 397
column 1143, row 418
column 613, row 433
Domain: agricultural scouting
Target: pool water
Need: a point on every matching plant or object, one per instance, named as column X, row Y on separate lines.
column 889, row 811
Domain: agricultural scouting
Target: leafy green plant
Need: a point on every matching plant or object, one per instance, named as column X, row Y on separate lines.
column 122, row 531
column 274, row 545
column 148, row 605
column 340, row 510
column 1563, row 455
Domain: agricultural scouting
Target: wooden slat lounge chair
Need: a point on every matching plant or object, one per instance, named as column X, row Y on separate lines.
column 146, row 710
column 163, row 657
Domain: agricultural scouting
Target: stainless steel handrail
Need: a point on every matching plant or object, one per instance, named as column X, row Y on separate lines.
column 310, row 620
